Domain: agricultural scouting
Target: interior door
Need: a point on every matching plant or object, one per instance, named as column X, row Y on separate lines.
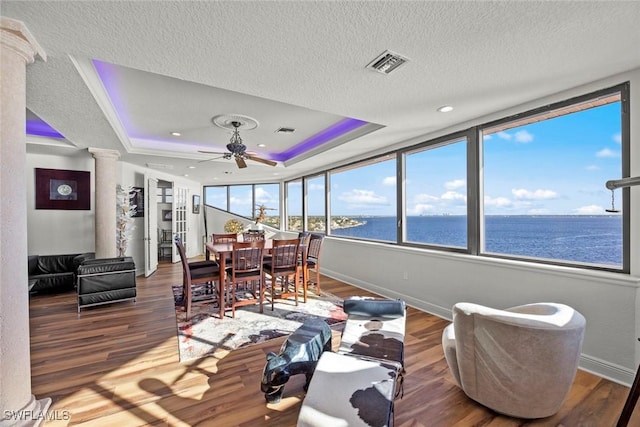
column 180, row 217
column 151, row 226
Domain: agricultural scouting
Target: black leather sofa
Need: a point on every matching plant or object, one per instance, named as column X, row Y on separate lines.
column 106, row 280
column 54, row 273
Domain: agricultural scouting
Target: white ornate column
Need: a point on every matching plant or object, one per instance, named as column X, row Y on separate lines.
column 18, row 406
column 105, row 187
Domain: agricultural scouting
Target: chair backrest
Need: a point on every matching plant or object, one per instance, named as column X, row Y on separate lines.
column 224, row 238
column 535, row 348
column 183, row 259
column 315, row 245
column 284, row 254
column 247, row 258
column 253, row 236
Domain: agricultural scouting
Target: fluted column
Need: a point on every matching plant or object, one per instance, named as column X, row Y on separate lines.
column 106, row 167
column 18, row 406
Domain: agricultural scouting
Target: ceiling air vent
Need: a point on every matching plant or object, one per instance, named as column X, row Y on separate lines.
column 159, row 166
column 285, row 130
column 386, row 62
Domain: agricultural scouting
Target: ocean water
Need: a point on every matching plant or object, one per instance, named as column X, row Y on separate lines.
column 583, row 239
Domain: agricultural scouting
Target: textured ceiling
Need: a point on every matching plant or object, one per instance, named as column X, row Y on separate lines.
column 302, row 65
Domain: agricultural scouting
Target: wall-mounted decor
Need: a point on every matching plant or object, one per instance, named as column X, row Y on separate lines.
column 63, row 189
column 196, row 204
column 166, row 215
column 137, row 199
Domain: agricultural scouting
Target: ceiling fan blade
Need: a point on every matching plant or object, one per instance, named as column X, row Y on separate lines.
column 213, row 158
column 240, row 162
column 211, row 152
column 264, row 161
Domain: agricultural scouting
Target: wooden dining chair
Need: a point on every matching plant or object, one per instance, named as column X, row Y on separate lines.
column 199, row 275
column 304, row 237
column 224, row 238
column 245, row 275
column 284, row 270
column 313, row 260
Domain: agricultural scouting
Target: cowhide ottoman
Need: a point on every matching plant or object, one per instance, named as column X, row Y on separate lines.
column 375, row 328
column 299, row 354
column 350, row 391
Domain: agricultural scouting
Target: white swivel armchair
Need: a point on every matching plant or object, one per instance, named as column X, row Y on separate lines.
column 520, row 361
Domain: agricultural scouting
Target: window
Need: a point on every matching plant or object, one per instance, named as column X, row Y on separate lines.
column 316, row 204
column 216, row 197
column 436, row 194
column 294, row 205
column 241, row 200
column 363, row 200
column 544, row 176
column 268, row 195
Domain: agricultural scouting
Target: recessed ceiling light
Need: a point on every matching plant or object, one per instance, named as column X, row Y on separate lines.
column 186, row 174
column 262, row 145
column 445, row 108
column 176, row 133
column 192, row 167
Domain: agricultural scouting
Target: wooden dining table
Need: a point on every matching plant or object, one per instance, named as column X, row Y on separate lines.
column 222, row 252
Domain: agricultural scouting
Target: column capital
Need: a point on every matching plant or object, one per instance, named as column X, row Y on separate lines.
column 14, row 35
column 104, row 153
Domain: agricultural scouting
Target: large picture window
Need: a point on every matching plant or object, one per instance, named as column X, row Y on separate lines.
column 294, row 205
column 436, row 194
column 544, row 175
column 363, row 200
column 316, row 204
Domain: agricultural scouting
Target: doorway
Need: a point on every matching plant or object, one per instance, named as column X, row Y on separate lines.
column 165, row 221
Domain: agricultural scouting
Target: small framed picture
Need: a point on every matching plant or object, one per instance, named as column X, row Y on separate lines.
column 196, row 204
column 166, row 215
column 63, row 189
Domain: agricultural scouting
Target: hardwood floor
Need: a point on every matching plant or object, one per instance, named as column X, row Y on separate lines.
column 117, row 365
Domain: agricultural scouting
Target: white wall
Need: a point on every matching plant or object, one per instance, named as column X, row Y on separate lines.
column 73, row 231
column 51, row 231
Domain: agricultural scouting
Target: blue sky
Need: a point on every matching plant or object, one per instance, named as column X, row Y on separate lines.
column 557, row 166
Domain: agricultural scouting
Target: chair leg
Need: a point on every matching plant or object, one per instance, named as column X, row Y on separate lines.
column 630, row 404
column 318, row 281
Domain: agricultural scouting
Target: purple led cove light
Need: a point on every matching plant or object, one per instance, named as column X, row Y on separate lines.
column 108, row 76
column 322, row 137
column 41, row 128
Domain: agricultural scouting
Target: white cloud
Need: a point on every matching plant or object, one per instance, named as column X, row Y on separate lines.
column 454, row 196
column 504, row 135
column 590, row 210
column 592, row 168
column 316, row 187
column 423, row 198
column 420, row 209
column 389, row 180
column 617, row 138
column 521, row 193
column 363, row 197
column 607, row 152
column 456, row 183
column 497, row 201
column 486, row 137
column 263, row 196
column 523, row 136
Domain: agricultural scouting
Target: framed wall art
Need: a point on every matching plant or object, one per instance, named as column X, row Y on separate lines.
column 166, row 215
column 196, row 204
column 137, row 198
column 63, row 189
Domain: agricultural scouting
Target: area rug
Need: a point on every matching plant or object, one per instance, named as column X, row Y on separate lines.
column 205, row 334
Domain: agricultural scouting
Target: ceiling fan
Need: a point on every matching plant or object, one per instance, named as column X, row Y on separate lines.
column 238, row 151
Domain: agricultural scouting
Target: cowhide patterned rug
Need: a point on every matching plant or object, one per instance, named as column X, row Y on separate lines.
column 207, row 335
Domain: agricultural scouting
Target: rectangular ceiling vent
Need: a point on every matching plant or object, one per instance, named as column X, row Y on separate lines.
column 159, row 166
column 285, row 130
column 386, row 62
